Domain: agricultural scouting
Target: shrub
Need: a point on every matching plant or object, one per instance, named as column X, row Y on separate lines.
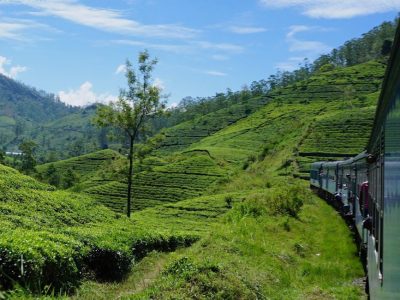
column 228, row 201
column 146, row 244
column 108, row 264
column 39, row 259
column 326, row 67
column 284, row 201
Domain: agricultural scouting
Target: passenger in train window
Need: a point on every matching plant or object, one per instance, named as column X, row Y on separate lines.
column 365, row 196
column 367, row 223
column 338, row 197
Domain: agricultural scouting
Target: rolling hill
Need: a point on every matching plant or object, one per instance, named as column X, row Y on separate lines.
column 29, row 114
column 228, row 183
column 309, row 120
column 236, row 189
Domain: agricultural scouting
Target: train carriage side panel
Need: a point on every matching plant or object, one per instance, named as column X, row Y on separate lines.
column 315, row 172
column 384, row 186
column 391, row 202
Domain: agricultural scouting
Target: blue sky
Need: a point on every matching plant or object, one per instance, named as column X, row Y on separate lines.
column 75, row 48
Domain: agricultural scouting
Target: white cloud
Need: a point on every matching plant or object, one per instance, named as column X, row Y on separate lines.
column 303, row 48
column 13, row 71
column 309, row 47
column 104, row 19
column 215, row 73
column 246, row 30
column 164, row 47
column 21, row 29
column 290, row 65
column 189, row 47
column 313, row 47
column 334, row 9
column 84, row 95
column 120, row 69
column 172, row 105
column 11, row 30
column 159, row 84
column 231, row 48
column 296, row 29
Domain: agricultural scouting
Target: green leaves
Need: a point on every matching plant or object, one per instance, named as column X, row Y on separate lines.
column 136, row 104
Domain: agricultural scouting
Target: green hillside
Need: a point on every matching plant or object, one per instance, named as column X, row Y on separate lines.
column 278, row 241
column 50, row 240
column 22, row 108
column 186, row 133
column 157, row 180
column 236, row 189
column 221, row 204
column 60, row 131
column 309, row 120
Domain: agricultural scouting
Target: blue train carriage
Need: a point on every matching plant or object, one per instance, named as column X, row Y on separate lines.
column 315, row 179
column 332, row 181
column 384, row 187
column 322, row 177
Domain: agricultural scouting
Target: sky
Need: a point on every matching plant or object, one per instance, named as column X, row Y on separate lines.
column 76, row 49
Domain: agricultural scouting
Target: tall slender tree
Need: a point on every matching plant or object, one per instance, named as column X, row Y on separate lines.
column 134, row 107
column 28, row 160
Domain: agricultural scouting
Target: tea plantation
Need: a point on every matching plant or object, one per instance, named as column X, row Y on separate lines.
column 228, row 181
column 51, row 239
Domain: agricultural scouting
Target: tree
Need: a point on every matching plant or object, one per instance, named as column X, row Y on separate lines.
column 28, row 160
column 69, row 178
column 2, row 157
column 386, row 47
column 134, row 107
column 52, row 175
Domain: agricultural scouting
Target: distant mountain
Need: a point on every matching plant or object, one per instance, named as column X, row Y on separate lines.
column 18, row 100
column 59, row 130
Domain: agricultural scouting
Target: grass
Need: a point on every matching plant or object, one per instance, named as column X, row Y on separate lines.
column 252, row 253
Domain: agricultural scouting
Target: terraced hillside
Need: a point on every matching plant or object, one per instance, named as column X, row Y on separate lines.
column 319, row 117
column 271, row 233
column 156, row 181
column 342, row 130
column 234, row 189
column 183, row 135
column 310, row 120
column 84, row 165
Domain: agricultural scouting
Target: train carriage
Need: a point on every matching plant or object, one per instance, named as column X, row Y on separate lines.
column 384, row 191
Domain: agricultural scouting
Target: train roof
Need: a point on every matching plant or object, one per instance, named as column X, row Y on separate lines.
column 387, row 95
column 333, row 164
column 317, row 164
column 362, row 155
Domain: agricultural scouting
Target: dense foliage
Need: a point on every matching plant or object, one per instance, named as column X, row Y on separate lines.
column 50, row 240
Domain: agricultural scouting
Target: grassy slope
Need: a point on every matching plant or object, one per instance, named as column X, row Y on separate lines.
column 259, row 249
